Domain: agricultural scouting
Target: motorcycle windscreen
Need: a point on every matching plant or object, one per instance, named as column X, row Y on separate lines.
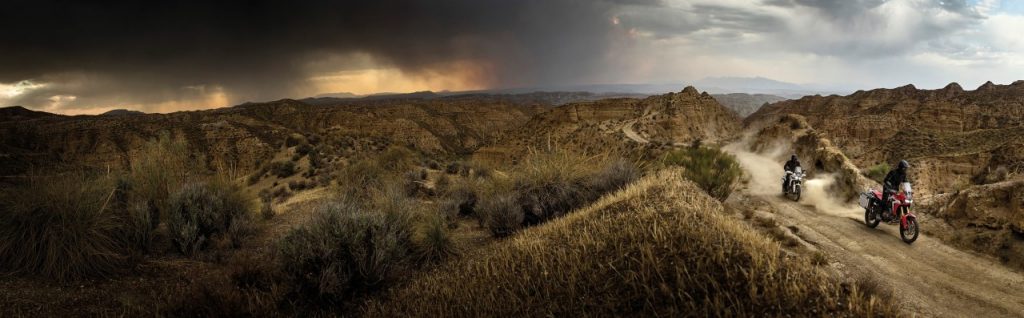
column 798, row 170
column 906, row 189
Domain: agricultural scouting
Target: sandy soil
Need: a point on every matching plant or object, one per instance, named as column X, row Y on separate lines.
column 928, row 277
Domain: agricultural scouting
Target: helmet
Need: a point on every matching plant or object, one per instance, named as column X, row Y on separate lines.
column 903, row 165
column 793, row 157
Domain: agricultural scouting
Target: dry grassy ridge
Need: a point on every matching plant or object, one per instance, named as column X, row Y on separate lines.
column 659, row 247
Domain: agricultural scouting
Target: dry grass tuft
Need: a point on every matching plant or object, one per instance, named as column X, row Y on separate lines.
column 71, row 227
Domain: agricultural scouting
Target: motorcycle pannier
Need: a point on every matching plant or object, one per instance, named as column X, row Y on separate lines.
column 864, row 200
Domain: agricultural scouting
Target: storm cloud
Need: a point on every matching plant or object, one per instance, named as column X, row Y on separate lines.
column 67, row 56
column 148, row 51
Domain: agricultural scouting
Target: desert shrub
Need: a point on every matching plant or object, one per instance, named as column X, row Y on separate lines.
column 464, row 195
column 363, row 177
column 454, row 167
column 359, row 178
column 202, row 210
column 713, row 170
column 414, row 182
column 442, row 183
column 255, row 177
column 281, row 194
column 282, row 169
column 448, row 208
column 475, row 169
column 315, row 159
column 434, row 165
column 343, row 251
column 550, row 185
column 267, row 207
column 396, row 159
column 303, row 149
column 294, row 140
column 299, row 185
column 877, row 172
column 432, row 238
column 161, row 166
column 141, row 221
column 502, row 214
column 69, row 228
column 615, row 175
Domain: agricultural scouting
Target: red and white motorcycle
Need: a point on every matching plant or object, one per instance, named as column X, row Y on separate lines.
column 899, row 204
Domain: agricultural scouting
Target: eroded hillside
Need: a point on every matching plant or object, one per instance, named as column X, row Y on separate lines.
column 244, row 136
column 952, row 137
column 620, row 125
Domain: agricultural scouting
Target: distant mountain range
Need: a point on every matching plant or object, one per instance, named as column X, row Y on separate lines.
column 122, row 112
column 761, row 85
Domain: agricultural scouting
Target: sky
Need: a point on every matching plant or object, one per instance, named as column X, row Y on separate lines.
column 156, row 56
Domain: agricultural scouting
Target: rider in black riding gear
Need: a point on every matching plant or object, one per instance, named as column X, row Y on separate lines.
column 892, row 182
column 790, row 167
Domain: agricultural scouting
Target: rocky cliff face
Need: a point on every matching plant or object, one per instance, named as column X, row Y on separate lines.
column 621, row 125
column 987, row 218
column 951, row 136
column 242, row 137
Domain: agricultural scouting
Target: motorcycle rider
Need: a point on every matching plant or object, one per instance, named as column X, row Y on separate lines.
column 790, row 167
column 892, row 181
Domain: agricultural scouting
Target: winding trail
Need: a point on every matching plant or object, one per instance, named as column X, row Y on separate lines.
column 929, row 277
column 627, row 129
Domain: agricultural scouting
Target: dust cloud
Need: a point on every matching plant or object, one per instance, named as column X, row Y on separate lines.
column 765, row 179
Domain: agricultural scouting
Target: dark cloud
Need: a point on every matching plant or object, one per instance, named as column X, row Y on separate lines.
column 147, row 51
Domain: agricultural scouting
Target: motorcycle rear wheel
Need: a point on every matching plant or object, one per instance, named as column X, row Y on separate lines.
column 870, row 219
column 909, row 234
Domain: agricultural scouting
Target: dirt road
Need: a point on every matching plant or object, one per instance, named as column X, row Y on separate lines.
column 631, row 134
column 930, row 278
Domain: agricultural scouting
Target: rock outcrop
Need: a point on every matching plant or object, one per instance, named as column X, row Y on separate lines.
column 987, row 218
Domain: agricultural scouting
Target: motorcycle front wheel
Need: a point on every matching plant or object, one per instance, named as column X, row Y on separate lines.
column 796, row 193
column 870, row 219
column 909, row 234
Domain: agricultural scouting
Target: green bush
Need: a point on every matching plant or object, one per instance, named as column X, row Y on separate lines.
column 202, row 210
column 877, row 172
column 343, row 251
column 715, row 171
column 69, row 228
